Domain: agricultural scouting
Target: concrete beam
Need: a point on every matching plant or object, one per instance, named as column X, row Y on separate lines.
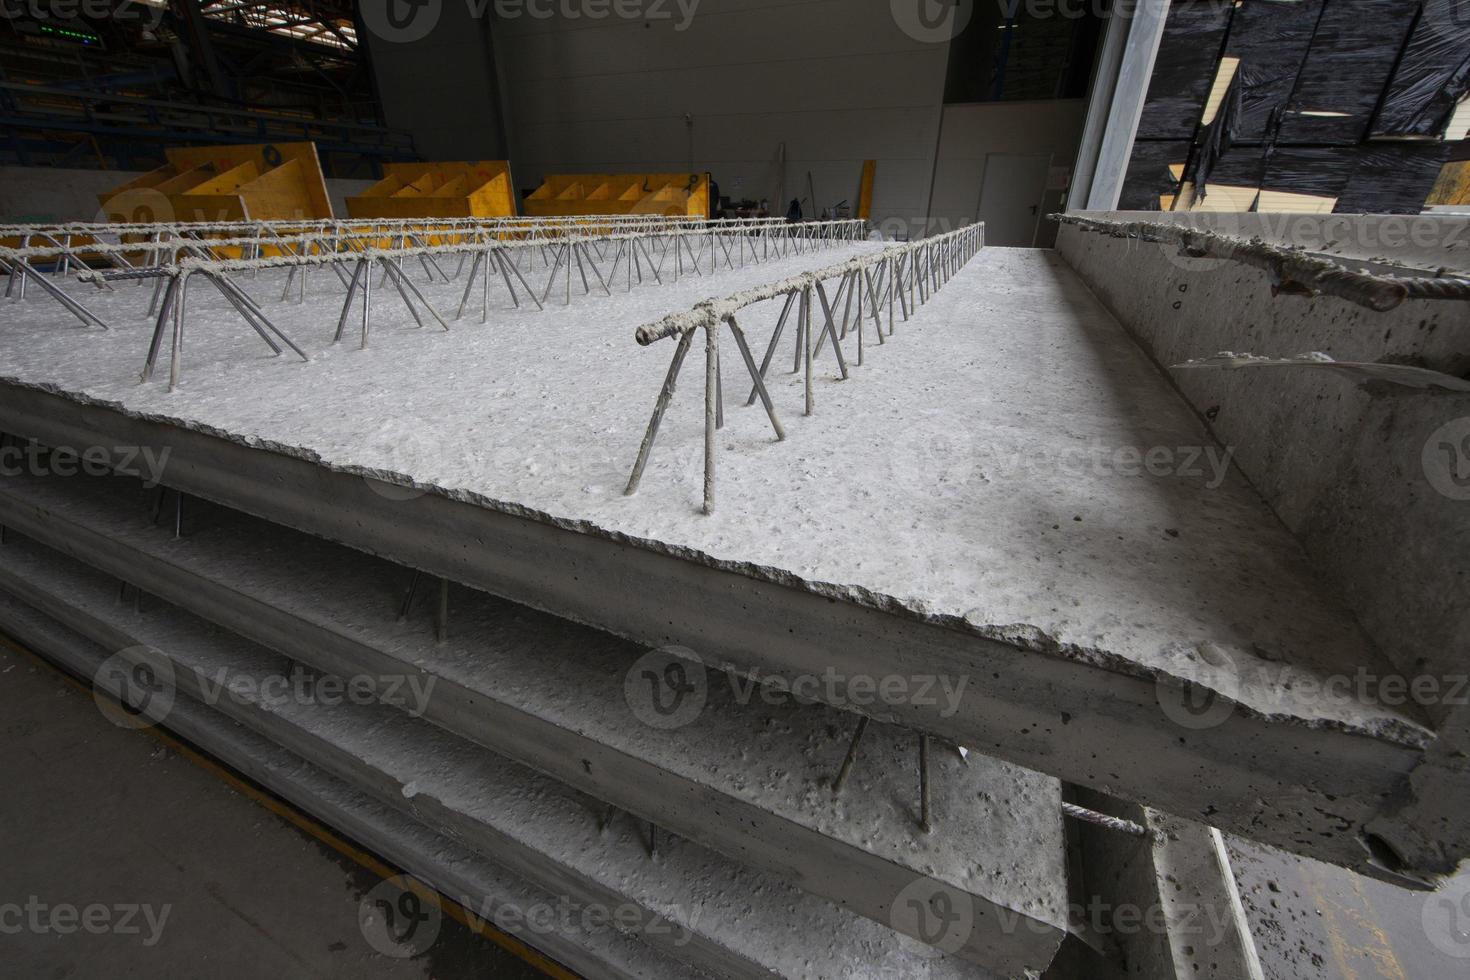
column 555, row 696
column 1307, row 784
column 685, row 901
column 483, row 887
column 1353, row 468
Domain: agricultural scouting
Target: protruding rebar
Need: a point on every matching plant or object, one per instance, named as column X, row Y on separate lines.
column 851, row 757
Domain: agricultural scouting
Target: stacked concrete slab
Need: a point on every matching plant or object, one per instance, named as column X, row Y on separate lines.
column 920, row 523
column 749, row 781
column 1368, row 468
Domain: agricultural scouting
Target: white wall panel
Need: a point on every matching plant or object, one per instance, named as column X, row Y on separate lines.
column 836, row 80
column 972, row 131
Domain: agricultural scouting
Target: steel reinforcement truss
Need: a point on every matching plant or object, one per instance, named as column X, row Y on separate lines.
column 904, row 276
column 369, row 254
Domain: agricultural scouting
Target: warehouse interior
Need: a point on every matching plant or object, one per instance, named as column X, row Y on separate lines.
column 1070, row 581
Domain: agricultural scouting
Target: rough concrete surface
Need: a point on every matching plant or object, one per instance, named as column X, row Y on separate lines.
column 1353, row 469
column 746, row 775
column 993, row 472
column 1069, row 576
column 695, row 905
column 488, row 890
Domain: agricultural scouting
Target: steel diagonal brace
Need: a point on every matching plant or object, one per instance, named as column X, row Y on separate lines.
column 829, row 329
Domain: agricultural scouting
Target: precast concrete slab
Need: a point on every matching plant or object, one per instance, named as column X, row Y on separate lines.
column 1006, row 490
column 746, row 771
column 486, row 890
column 673, row 894
column 1354, row 459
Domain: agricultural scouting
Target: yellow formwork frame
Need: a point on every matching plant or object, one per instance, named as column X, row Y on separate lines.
column 466, row 189
column 240, row 182
column 264, row 182
column 572, row 195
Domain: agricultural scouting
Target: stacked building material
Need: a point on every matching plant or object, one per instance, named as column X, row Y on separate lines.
column 266, row 182
column 430, row 615
column 575, row 194
column 470, row 189
column 1317, row 106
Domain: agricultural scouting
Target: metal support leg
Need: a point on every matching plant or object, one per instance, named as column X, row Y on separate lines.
column 775, row 339
column 666, row 393
column 851, row 757
column 711, row 410
column 925, row 823
column 408, row 596
column 441, row 617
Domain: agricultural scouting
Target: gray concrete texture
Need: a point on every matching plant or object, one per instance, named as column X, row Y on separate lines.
column 1298, row 771
column 681, row 900
column 557, row 697
column 1368, row 475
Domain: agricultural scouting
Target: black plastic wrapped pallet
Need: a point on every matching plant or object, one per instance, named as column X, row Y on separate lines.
column 1271, row 39
column 1393, row 178
column 1242, row 165
column 1184, row 71
column 1217, row 139
column 1353, row 54
column 1433, row 73
column 1149, row 175
column 1322, row 171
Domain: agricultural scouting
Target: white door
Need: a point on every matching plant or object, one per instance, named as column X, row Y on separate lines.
column 1011, row 197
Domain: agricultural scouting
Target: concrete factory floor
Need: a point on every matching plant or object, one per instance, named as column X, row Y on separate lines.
column 98, row 815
